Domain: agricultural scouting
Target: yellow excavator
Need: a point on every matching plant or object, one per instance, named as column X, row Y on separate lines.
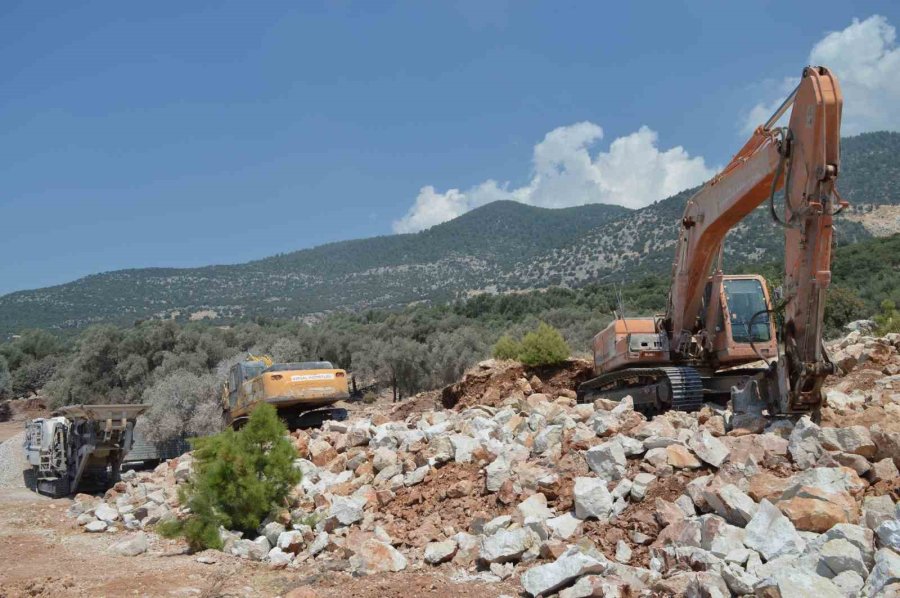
column 302, row 392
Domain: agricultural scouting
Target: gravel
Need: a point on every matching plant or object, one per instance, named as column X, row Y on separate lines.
column 12, row 462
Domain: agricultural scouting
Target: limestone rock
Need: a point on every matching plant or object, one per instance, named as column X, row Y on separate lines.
column 640, row 485
column 768, row 486
column 416, row 476
column 271, row 531
column 739, row 581
column 463, row 447
column 133, row 546
column 772, row 534
column 888, row 444
column 818, row 513
column 106, row 513
column 321, row 452
column 857, row 535
column 506, row 545
column 290, row 541
column 803, row 443
column 623, row 552
column 545, row 579
column 883, row 470
column 854, row 439
column 347, row 510
column 885, row 572
column 535, row 506
column 319, row 544
column 374, row 556
column 788, row 582
column 720, row 538
column 384, row 457
column 497, row 472
column 439, row 552
column 840, row 555
column 730, row 503
column 849, row 582
column 592, row 499
column 679, row 457
column 607, row 460
column 254, row 550
column 888, row 534
column 564, row 526
column 95, row 526
column 709, row 448
column 278, row 558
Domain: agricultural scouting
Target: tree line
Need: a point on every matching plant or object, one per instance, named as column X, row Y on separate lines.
column 179, row 368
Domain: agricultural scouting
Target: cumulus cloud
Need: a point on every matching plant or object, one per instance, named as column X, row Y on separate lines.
column 633, row 173
column 865, row 58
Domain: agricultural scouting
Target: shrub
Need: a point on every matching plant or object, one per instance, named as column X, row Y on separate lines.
column 369, row 397
column 507, row 348
column 239, row 479
column 544, row 346
column 889, row 319
column 842, row 306
column 5, row 381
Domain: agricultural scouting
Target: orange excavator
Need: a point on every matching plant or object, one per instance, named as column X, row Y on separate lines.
column 716, row 326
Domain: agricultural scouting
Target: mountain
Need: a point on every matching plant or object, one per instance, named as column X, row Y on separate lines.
column 500, row 247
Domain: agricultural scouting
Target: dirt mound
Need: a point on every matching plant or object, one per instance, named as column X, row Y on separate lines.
column 420, row 403
column 450, row 496
column 492, row 381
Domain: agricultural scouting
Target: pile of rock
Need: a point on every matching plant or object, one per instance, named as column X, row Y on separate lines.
column 138, row 500
column 586, row 499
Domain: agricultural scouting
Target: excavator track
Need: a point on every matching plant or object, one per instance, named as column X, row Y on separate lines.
column 652, row 389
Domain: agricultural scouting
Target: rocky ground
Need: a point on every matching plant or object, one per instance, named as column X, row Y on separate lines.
column 504, row 485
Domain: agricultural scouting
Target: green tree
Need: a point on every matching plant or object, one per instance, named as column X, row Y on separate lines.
column 544, row 346
column 452, row 353
column 5, row 381
column 842, row 305
column 889, row 319
column 182, row 403
column 239, row 479
column 507, row 348
column 31, row 376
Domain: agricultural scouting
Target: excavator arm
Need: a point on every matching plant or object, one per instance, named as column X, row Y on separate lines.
column 804, row 159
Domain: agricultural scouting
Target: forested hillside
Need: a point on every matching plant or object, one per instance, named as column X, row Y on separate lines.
column 500, row 247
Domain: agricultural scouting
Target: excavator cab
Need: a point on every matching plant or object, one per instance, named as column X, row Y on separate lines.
column 738, row 326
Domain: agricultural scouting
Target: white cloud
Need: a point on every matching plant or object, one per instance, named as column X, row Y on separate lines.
column 866, row 59
column 633, row 173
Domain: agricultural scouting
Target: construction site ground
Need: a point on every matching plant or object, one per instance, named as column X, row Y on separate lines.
column 445, row 486
column 43, row 553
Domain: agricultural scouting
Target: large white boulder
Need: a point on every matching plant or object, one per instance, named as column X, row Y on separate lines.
column 607, row 460
column 545, row 579
column 507, row 545
column 592, row 499
column 772, row 534
column 133, row 546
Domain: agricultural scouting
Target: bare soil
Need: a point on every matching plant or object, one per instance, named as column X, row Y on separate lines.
column 43, row 553
column 491, row 386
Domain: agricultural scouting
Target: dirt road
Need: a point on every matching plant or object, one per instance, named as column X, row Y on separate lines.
column 44, row 553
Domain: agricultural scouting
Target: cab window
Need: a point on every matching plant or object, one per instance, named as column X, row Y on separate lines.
column 745, row 299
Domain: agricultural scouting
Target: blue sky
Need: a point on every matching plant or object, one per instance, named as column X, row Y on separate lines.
column 193, row 133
